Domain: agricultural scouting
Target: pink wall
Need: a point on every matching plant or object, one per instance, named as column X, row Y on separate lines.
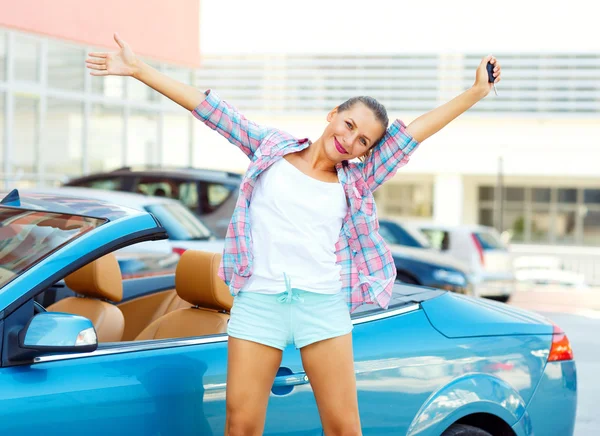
column 167, row 30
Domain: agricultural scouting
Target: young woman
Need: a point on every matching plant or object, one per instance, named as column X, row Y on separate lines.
column 302, row 249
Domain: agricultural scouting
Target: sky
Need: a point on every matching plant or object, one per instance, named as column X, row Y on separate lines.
column 392, row 26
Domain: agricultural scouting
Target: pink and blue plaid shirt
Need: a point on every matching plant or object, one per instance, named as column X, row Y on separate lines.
column 368, row 270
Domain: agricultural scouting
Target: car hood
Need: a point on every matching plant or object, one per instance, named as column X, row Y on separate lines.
column 429, row 255
column 459, row 316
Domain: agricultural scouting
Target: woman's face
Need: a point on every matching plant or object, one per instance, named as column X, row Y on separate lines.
column 350, row 134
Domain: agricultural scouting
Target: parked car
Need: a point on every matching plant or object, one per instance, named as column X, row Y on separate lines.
column 184, row 230
column 433, row 363
column 483, row 250
column 209, row 194
column 418, row 263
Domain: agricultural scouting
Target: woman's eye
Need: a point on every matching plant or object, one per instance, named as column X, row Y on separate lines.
column 348, row 125
column 364, row 141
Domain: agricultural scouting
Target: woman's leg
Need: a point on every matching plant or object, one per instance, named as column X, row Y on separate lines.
column 251, row 370
column 329, row 365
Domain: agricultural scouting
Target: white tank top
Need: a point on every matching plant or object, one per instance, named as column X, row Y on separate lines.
column 295, row 222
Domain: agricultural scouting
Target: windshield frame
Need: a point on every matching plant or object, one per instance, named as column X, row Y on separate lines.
column 204, row 233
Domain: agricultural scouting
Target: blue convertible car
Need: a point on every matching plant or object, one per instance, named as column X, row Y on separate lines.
column 149, row 356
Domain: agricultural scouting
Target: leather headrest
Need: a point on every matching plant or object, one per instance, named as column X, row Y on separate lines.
column 198, row 283
column 98, row 279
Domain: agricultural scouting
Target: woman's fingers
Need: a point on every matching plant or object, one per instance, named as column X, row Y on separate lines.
column 95, row 61
column 99, row 73
column 98, row 54
column 96, row 67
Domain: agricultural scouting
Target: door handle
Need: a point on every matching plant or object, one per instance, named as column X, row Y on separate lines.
column 296, row 379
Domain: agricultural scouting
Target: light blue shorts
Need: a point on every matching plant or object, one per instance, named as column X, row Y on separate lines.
column 293, row 317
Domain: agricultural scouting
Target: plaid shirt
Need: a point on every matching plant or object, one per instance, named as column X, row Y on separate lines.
column 368, row 269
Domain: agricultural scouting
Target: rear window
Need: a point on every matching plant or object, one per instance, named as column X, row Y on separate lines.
column 180, row 223
column 28, row 236
column 489, row 241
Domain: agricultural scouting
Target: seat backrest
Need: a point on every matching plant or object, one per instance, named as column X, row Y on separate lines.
column 196, row 282
column 97, row 281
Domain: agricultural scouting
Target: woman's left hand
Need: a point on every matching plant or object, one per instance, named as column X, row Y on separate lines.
column 481, row 75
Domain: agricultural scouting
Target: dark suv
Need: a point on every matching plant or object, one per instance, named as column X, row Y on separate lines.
column 210, row 194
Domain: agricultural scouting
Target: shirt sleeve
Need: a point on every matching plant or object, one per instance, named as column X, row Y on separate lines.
column 230, row 123
column 392, row 152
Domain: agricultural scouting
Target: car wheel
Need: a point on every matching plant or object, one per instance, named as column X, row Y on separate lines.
column 405, row 278
column 464, row 430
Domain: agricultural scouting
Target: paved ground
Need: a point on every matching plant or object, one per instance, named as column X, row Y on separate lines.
column 578, row 314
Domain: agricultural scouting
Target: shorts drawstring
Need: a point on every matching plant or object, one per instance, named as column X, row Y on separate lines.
column 290, row 294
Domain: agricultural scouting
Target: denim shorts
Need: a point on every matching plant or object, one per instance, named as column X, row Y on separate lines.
column 293, row 317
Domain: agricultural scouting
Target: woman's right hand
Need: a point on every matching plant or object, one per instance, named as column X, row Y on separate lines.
column 121, row 63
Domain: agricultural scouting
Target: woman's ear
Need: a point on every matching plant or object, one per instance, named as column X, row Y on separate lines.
column 331, row 114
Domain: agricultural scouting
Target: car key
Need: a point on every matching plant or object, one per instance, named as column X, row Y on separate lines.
column 490, row 70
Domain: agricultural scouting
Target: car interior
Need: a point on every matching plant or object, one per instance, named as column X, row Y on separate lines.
column 198, row 305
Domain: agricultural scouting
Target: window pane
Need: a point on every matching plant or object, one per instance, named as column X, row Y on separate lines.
column 564, row 226
column 105, row 138
column 142, row 139
column 25, row 150
column 62, row 153
column 109, row 184
column 514, row 221
column 486, row 193
column 410, row 200
column 2, row 56
column 66, row 66
column 176, row 146
column 540, row 195
column 591, row 228
column 111, row 86
column 540, row 225
column 591, row 196
column 486, row 217
column 2, row 97
column 140, row 92
column 514, row 194
column 186, row 192
column 567, row 195
column 26, row 54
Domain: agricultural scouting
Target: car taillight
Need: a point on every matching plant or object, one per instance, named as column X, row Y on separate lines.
column 179, row 251
column 561, row 348
column 479, row 247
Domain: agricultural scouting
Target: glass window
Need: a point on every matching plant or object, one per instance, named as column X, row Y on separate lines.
column 217, row 195
column 486, row 193
column 180, row 223
column 410, row 200
column 591, row 196
column 591, row 228
column 515, row 194
column 26, row 54
column 2, row 56
column 486, row 217
column 25, row 149
column 540, row 195
column 514, row 222
column 438, row 239
column 541, row 223
column 142, row 139
column 489, row 241
column 62, row 151
column 27, row 236
column 176, row 143
column 66, row 65
column 564, row 226
column 105, row 138
column 186, row 192
column 138, row 91
column 112, row 184
column 567, row 195
column 2, row 99
column 110, row 86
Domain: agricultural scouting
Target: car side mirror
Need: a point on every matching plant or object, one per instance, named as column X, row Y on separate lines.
column 55, row 333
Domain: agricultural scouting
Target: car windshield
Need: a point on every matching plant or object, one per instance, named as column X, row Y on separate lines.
column 180, row 223
column 28, row 236
column 395, row 233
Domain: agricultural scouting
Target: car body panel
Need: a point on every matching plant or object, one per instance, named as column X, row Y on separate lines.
column 456, row 316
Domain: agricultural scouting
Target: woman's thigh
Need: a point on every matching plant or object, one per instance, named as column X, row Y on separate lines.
column 329, row 365
column 251, row 370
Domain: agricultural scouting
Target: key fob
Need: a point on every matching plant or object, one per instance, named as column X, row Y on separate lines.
column 490, row 71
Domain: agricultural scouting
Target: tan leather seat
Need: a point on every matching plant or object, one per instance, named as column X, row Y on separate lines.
column 196, row 282
column 97, row 281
